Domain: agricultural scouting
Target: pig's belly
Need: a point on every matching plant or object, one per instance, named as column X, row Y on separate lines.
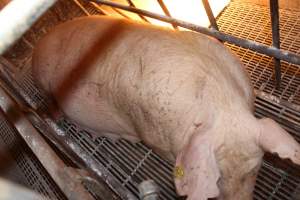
column 94, row 113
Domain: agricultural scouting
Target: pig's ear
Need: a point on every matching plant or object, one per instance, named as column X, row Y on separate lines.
column 274, row 139
column 196, row 171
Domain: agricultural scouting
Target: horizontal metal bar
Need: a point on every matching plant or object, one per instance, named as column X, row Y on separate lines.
column 248, row 44
column 276, row 100
column 276, row 37
column 141, row 16
column 17, row 17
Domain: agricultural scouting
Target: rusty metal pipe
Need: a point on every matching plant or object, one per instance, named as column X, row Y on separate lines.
column 248, row 44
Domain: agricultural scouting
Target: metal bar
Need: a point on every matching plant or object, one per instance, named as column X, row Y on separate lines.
column 131, row 4
column 6, row 75
column 95, row 168
column 248, row 44
column 17, row 17
column 166, row 11
column 99, row 8
column 276, row 38
column 81, row 7
column 60, row 173
column 121, row 13
column 210, row 15
column 276, row 100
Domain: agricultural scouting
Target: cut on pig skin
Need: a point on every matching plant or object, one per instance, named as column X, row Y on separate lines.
column 183, row 94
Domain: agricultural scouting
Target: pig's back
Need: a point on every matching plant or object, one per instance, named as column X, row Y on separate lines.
column 160, row 86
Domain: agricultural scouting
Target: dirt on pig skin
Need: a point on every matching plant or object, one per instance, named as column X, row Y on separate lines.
column 182, row 93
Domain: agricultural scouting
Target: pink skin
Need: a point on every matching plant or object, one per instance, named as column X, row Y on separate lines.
column 183, row 94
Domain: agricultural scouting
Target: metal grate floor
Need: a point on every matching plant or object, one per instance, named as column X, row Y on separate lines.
column 132, row 163
column 31, row 172
column 253, row 22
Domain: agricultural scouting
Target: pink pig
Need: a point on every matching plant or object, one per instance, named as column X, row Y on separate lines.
column 182, row 93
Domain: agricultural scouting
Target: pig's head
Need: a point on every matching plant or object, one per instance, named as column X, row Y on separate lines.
column 225, row 166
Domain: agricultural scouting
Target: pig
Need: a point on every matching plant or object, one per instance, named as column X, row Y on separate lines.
column 184, row 94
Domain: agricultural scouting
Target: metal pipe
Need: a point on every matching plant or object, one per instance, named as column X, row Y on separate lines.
column 276, row 38
column 121, row 13
column 248, row 44
column 166, row 11
column 210, row 15
column 95, row 168
column 17, row 17
column 82, row 8
column 277, row 100
column 60, row 173
column 6, row 75
column 148, row 190
column 131, row 4
column 99, row 8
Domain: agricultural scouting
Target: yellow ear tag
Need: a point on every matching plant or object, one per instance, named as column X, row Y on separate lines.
column 178, row 172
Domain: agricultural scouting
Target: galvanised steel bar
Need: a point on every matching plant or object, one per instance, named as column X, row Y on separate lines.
column 248, row 44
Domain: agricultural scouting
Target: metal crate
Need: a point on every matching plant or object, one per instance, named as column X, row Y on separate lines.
column 131, row 163
column 27, row 169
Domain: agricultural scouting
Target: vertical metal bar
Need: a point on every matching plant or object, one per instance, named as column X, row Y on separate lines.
column 210, row 15
column 141, row 16
column 276, row 38
column 166, row 11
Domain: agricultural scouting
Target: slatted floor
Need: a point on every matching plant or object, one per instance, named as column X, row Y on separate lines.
column 132, row 163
